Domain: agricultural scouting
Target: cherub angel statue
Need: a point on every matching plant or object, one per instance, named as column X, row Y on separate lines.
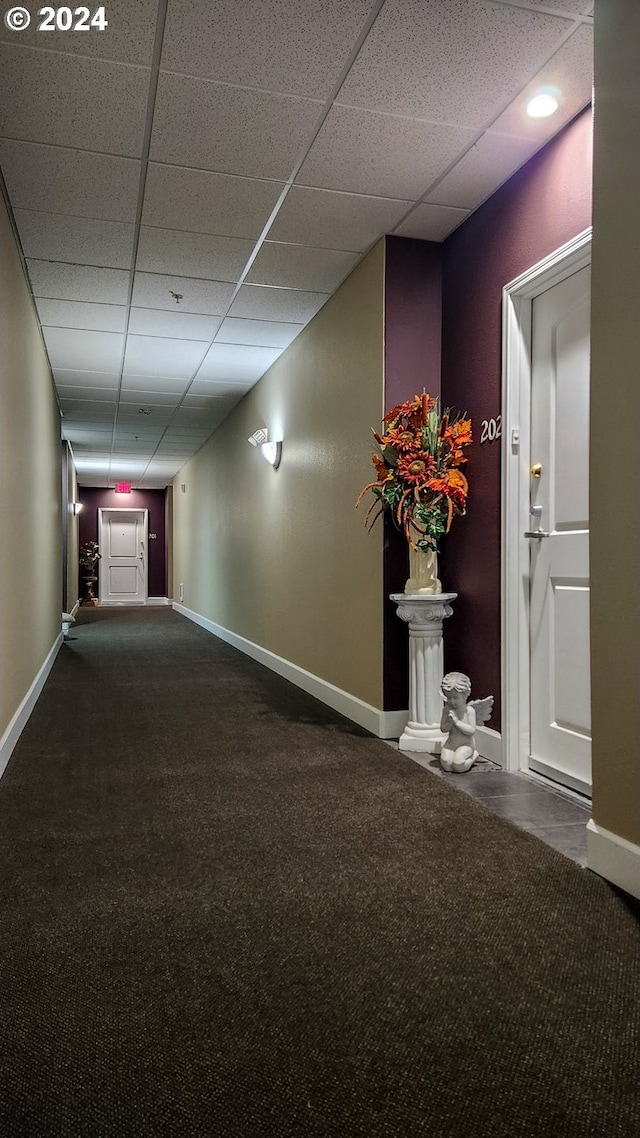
column 459, row 720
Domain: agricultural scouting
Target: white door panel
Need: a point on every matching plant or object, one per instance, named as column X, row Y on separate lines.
column 123, row 563
column 560, row 743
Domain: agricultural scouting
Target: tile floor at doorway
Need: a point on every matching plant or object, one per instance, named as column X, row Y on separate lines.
column 557, row 817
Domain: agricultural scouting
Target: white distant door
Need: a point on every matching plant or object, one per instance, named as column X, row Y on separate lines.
column 123, row 557
column 559, row 563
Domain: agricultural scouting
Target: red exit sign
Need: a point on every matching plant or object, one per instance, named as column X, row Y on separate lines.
column 123, row 487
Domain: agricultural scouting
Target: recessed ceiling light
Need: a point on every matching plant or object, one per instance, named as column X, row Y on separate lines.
column 541, row 106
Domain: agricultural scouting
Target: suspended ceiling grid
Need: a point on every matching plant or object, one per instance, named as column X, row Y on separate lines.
column 190, row 185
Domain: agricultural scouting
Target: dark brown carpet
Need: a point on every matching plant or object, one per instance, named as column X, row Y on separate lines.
column 228, row 912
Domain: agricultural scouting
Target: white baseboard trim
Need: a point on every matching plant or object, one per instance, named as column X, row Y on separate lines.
column 19, row 720
column 489, row 744
column 384, row 724
column 614, row 858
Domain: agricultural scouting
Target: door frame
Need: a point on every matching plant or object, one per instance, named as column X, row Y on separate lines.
column 517, row 305
column 125, row 510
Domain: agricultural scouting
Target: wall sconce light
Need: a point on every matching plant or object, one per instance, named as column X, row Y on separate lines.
column 76, row 507
column 271, row 451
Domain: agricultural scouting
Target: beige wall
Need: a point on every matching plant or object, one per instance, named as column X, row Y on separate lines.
column 30, row 488
column 280, row 556
column 615, row 412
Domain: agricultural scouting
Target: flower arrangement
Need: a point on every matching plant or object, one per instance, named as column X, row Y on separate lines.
column 89, row 554
column 419, row 481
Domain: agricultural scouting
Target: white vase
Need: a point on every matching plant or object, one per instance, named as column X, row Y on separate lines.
column 423, row 573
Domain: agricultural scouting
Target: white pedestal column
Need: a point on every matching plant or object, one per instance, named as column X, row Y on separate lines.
column 425, row 615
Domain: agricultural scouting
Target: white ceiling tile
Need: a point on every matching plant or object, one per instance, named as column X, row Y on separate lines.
column 150, row 290
column 185, row 434
column 152, row 355
column 96, row 409
column 182, row 325
column 209, row 388
column 449, row 62
column 202, row 202
column 75, row 314
column 83, row 438
column 489, row 163
column 150, row 398
column 77, row 349
column 298, row 266
column 570, row 75
column 78, row 378
column 432, row 222
column 192, row 254
column 128, row 37
column 167, row 383
column 70, row 101
column 216, row 403
column 53, row 237
column 267, row 333
column 236, row 362
column 190, row 416
column 366, row 152
column 78, row 282
column 143, row 419
column 231, row 130
column 58, row 180
column 92, row 394
column 299, row 48
column 333, row 220
column 282, row 304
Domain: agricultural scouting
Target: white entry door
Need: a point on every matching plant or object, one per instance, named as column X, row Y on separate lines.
column 123, row 557
column 560, row 724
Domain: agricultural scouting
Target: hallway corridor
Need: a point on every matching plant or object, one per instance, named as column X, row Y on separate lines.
column 230, row 913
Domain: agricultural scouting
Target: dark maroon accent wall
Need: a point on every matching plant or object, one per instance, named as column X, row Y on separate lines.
column 93, row 499
column 413, row 327
column 540, row 208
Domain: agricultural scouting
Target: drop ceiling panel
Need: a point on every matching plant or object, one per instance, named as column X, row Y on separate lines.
column 570, row 74
column 231, row 130
column 74, row 314
column 152, row 355
column 299, row 48
column 431, row 222
column 218, row 389
column 53, row 237
column 78, row 282
column 128, row 37
column 329, row 219
column 192, row 254
column 203, row 202
column 298, row 266
column 151, row 290
column 233, row 362
column 91, row 394
column 266, row 333
column 59, row 180
column 280, row 304
column 78, row 349
column 491, row 161
column 366, row 152
column 66, row 100
column 88, row 408
column 178, row 324
column 449, row 62
column 150, row 398
column 81, row 378
column 160, row 383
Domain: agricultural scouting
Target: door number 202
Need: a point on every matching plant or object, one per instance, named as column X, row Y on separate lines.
column 491, row 429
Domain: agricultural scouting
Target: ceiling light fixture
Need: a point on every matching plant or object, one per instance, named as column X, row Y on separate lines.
column 542, row 105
